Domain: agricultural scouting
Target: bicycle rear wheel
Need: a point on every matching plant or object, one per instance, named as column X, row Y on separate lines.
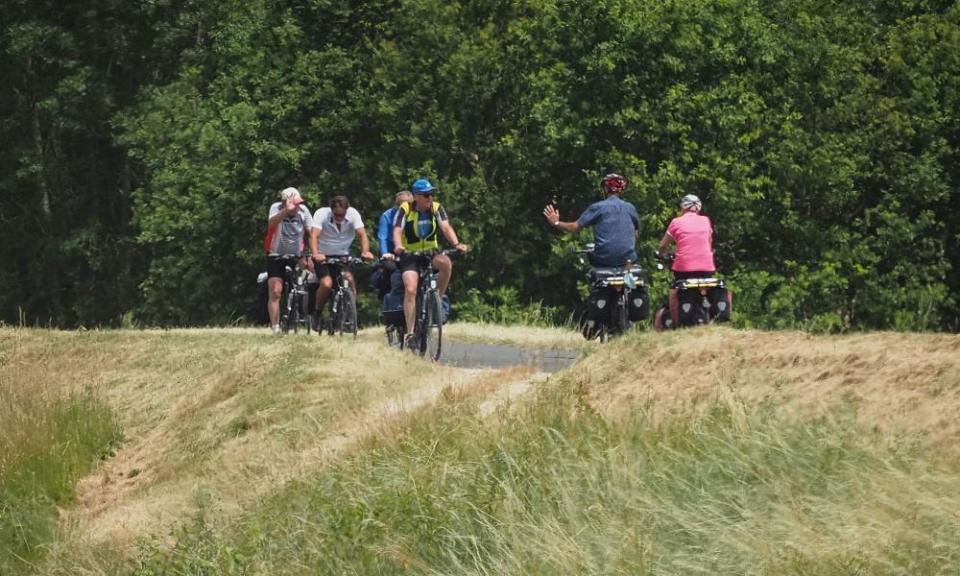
column 703, row 311
column 622, row 319
column 431, row 339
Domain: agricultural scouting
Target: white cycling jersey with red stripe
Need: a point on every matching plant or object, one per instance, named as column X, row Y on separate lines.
column 286, row 239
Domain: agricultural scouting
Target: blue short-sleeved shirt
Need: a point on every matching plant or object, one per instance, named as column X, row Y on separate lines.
column 385, row 231
column 615, row 223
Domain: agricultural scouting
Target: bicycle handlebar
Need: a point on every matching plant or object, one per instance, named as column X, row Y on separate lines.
column 664, row 260
column 668, row 257
column 342, row 259
column 431, row 253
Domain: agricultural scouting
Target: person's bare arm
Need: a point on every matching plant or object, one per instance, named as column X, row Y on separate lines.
column 665, row 243
column 397, row 240
column 364, row 244
column 314, row 245
column 288, row 209
column 553, row 217
column 451, row 235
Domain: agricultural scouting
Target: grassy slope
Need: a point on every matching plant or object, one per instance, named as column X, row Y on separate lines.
column 53, row 432
column 710, row 451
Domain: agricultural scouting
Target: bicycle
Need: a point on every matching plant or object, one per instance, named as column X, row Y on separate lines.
column 392, row 314
column 618, row 297
column 428, row 320
column 296, row 299
column 343, row 301
column 700, row 301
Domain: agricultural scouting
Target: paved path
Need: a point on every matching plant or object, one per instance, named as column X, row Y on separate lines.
column 477, row 355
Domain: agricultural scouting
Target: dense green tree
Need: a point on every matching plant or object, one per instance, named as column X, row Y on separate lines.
column 145, row 143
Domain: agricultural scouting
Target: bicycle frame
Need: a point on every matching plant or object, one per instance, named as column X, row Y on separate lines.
column 705, row 310
column 295, row 296
column 343, row 305
column 617, row 283
column 428, row 319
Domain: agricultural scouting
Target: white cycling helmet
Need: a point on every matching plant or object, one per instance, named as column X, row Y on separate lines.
column 690, row 202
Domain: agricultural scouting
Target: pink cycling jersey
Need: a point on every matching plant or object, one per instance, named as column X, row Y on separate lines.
column 694, row 236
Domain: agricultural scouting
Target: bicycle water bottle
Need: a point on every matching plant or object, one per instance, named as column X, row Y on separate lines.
column 628, row 278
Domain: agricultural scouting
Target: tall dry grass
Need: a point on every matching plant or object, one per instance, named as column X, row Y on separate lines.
column 555, row 487
column 707, row 451
column 711, row 451
column 223, row 416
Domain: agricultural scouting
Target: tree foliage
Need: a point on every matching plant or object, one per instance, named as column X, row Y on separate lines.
column 145, row 141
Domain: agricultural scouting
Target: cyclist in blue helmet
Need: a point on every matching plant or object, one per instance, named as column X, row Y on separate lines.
column 415, row 228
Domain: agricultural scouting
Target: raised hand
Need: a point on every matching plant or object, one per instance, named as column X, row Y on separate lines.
column 551, row 214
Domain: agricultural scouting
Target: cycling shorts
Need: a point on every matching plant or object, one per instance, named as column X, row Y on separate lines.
column 689, row 275
column 277, row 264
column 408, row 262
column 324, row 270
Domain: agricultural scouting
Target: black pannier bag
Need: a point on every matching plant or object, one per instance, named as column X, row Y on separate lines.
column 689, row 301
column 393, row 310
column 638, row 308
column 719, row 305
column 598, row 304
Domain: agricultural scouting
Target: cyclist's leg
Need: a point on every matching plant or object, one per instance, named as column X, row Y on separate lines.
column 275, row 273
column 325, row 286
column 410, row 280
column 444, row 267
column 275, row 289
column 658, row 319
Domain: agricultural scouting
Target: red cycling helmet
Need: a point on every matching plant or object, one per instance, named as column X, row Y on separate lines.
column 613, row 182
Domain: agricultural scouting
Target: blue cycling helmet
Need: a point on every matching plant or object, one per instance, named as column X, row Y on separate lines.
column 422, row 186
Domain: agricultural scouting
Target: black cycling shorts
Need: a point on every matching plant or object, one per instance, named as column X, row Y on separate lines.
column 324, row 270
column 277, row 264
column 408, row 262
column 688, row 275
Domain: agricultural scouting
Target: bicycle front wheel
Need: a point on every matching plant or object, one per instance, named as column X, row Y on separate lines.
column 347, row 323
column 293, row 320
column 336, row 312
column 431, row 340
column 305, row 315
column 285, row 311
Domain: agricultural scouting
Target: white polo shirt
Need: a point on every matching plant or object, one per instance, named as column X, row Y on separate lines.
column 336, row 239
